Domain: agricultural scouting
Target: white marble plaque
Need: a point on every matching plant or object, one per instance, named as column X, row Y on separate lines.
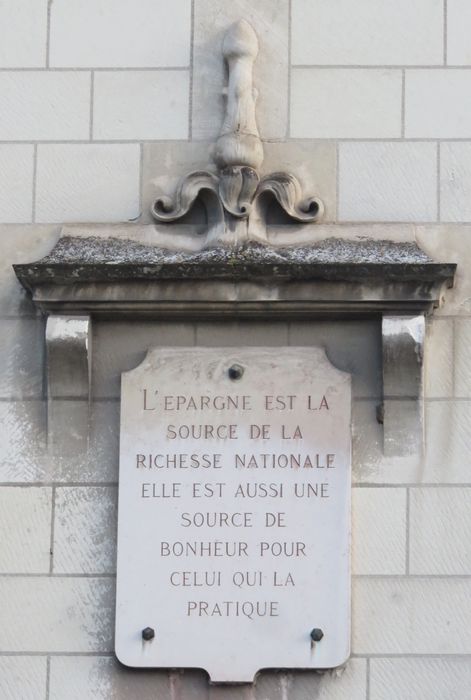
column 234, row 511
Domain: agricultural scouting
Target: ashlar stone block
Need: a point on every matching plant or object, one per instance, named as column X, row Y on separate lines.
column 21, row 358
column 102, row 678
column 43, row 105
column 411, row 616
column 124, row 34
column 438, row 370
column 370, row 172
column 379, row 531
column 22, row 441
column 462, row 365
column 367, row 32
column 141, row 105
column 345, row 103
column 437, row 103
column 23, row 677
column 458, row 28
column 440, row 520
column 16, row 183
column 23, row 31
column 55, row 614
column 85, row 530
column 87, row 182
column 345, row 682
column 455, row 181
column 25, row 524
column 420, row 678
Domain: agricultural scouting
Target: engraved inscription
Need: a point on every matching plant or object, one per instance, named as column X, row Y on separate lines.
column 234, row 506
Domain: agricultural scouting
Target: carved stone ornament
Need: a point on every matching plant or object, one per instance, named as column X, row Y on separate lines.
column 247, row 265
column 236, row 198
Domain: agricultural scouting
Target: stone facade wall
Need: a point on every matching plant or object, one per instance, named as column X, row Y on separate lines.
column 103, row 101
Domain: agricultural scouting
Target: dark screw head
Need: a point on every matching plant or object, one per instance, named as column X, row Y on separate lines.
column 148, row 633
column 235, row 372
column 316, row 634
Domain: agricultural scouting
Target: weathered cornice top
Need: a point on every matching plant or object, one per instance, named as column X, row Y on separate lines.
column 96, row 259
column 97, row 272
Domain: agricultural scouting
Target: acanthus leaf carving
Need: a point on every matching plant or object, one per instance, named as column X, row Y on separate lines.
column 237, row 189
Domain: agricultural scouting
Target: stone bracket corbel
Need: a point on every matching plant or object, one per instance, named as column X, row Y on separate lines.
column 403, row 361
column 68, row 349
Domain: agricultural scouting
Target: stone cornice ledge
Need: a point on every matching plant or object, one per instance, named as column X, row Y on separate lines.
column 134, row 270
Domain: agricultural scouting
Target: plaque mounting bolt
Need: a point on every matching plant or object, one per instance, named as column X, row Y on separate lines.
column 235, row 372
column 316, row 634
column 148, row 633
